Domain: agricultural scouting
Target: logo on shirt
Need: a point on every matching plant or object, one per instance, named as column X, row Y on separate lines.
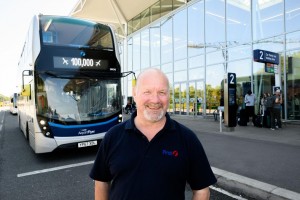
column 170, row 153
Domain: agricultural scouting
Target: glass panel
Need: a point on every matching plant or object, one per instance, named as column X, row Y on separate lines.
column 176, row 98
column 180, row 35
column 274, row 44
column 177, row 4
column 167, row 67
column 200, row 96
column 238, row 22
column 145, row 49
column 214, row 80
column 183, row 98
column 65, row 31
column 129, row 58
column 293, row 40
column 180, row 76
column 136, row 52
column 215, row 23
column 129, row 27
column 136, row 23
column 215, row 57
column 192, row 98
column 166, row 41
column 155, row 11
column 196, row 61
column 196, row 73
column 293, row 85
column 155, row 45
column 145, row 17
column 239, row 52
column 292, row 15
column 196, row 29
column 93, row 98
column 180, row 65
column 166, row 7
column 267, row 18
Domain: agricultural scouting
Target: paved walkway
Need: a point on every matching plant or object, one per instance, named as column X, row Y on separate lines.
column 287, row 139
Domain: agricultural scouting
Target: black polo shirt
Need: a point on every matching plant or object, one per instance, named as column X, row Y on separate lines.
column 159, row 169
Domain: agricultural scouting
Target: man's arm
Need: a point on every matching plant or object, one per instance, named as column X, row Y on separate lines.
column 202, row 194
column 101, row 190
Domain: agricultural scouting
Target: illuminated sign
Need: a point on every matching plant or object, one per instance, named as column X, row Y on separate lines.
column 265, row 56
column 79, row 63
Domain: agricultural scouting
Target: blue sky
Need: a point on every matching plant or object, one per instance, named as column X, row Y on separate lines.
column 15, row 16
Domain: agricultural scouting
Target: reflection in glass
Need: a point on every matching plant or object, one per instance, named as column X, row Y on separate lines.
column 155, row 11
column 267, row 18
column 136, row 52
column 180, row 35
column 166, row 41
column 92, row 99
column 196, row 29
column 215, row 23
column 155, row 45
column 214, row 81
column 145, row 62
column 292, row 15
column 293, row 85
column 293, row 40
column 238, row 21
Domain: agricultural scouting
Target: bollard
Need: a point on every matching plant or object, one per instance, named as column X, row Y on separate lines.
column 220, row 113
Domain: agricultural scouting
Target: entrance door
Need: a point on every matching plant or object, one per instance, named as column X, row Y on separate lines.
column 188, row 98
column 196, row 96
column 180, row 96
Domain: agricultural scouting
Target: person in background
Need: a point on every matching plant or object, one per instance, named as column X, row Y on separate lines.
column 276, row 116
column 151, row 156
column 250, row 100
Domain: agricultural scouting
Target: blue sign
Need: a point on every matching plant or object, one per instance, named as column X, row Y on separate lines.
column 265, row 56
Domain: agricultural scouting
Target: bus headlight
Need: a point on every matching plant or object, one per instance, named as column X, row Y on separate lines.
column 45, row 127
column 120, row 118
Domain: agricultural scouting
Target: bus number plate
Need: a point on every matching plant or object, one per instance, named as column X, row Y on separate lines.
column 87, row 144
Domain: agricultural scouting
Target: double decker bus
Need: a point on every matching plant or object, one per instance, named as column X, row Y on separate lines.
column 70, row 77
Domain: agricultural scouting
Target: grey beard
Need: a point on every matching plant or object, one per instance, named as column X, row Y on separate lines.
column 153, row 117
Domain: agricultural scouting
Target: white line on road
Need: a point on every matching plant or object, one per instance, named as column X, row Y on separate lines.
column 227, row 193
column 54, row 169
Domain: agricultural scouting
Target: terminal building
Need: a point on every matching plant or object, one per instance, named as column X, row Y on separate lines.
column 197, row 42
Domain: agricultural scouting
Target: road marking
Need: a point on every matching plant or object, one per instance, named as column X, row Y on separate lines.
column 227, row 193
column 54, row 169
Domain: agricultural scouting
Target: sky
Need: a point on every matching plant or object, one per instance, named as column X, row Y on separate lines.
column 15, row 17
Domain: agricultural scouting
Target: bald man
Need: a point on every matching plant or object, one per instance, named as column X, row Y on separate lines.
column 151, row 156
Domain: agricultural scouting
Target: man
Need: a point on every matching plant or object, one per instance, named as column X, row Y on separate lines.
column 276, row 114
column 151, row 156
column 250, row 102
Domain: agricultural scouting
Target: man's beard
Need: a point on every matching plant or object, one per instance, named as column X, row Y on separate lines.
column 153, row 116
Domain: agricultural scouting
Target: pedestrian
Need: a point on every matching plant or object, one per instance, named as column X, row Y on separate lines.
column 269, row 110
column 250, row 101
column 151, row 156
column 276, row 115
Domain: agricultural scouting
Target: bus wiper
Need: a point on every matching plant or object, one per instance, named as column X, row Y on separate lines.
column 51, row 74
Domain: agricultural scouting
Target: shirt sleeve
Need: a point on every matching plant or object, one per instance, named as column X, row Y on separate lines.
column 200, row 173
column 100, row 170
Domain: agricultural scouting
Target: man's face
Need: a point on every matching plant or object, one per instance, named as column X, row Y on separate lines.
column 152, row 97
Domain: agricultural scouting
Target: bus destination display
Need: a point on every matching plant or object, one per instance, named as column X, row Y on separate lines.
column 77, row 63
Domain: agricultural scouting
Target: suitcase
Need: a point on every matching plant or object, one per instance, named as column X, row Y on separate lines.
column 242, row 119
column 258, row 121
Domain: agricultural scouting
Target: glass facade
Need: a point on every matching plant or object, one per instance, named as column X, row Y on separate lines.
column 197, row 42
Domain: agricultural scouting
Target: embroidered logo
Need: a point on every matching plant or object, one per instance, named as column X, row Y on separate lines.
column 170, row 153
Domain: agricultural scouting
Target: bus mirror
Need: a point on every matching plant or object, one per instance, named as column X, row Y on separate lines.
column 25, row 91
